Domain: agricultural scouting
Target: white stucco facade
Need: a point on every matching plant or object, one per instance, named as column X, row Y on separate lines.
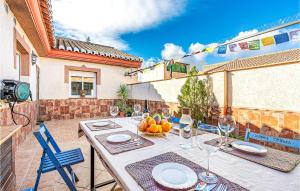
column 52, row 85
column 168, row 90
column 7, row 70
column 268, row 88
column 276, row 88
column 157, row 73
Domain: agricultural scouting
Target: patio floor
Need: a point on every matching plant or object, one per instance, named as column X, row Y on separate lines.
column 65, row 133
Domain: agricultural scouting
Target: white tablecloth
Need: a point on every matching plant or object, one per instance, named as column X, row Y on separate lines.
column 245, row 173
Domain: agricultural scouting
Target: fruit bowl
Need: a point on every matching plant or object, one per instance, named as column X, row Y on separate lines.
column 154, row 134
column 155, row 126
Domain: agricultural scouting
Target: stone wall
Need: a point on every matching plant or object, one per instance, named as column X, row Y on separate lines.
column 26, row 108
column 60, row 109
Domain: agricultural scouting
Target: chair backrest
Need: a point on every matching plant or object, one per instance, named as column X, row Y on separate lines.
column 207, row 127
column 175, row 119
column 277, row 140
column 44, row 132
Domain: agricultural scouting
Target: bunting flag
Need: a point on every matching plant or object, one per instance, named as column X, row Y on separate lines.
column 222, row 49
column 254, row 45
column 281, row 38
column 208, row 49
column 187, row 55
column 267, row 41
column 243, row 45
column 232, row 47
column 193, row 53
column 295, row 35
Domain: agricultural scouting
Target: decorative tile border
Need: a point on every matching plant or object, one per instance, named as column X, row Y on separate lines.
column 27, row 108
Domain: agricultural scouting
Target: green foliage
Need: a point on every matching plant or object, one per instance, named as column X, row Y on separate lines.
column 123, row 94
column 177, row 67
column 195, row 94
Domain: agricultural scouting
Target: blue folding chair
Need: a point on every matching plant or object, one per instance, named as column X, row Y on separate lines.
column 277, row 140
column 207, row 127
column 175, row 119
column 56, row 160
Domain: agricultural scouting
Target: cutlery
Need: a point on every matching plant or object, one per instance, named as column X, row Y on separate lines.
column 222, row 187
column 130, row 143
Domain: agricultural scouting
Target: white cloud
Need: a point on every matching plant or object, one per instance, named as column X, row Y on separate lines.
column 150, row 62
column 244, row 34
column 172, row 51
column 106, row 20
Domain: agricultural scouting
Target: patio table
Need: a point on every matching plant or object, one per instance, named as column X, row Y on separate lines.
column 243, row 172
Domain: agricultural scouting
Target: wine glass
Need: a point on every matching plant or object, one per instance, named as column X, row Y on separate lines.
column 114, row 111
column 227, row 125
column 207, row 176
column 166, row 113
column 137, row 109
column 137, row 138
column 185, row 131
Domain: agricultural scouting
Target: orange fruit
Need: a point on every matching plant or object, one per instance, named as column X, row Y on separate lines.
column 159, row 127
column 166, row 127
column 143, row 125
column 151, row 122
column 153, row 128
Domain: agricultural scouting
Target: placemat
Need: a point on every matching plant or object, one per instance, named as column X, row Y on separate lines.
column 112, row 125
column 116, row 148
column 142, row 172
column 275, row 159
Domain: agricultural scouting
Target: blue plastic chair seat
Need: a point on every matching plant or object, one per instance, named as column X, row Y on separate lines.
column 65, row 158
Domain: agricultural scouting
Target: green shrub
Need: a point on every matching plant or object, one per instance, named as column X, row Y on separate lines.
column 195, row 94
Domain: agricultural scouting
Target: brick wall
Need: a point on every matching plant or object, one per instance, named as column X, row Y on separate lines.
column 269, row 122
column 26, row 108
column 60, row 109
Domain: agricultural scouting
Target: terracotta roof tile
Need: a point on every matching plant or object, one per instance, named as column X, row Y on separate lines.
column 91, row 48
column 258, row 61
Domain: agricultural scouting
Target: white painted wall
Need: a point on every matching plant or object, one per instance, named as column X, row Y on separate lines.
column 273, row 88
column 150, row 75
column 168, row 90
column 52, row 84
column 7, row 70
column 276, row 88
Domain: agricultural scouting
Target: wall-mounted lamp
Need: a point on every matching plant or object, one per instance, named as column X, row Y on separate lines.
column 33, row 58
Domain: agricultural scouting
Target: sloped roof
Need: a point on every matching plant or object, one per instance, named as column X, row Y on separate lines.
column 282, row 57
column 91, row 48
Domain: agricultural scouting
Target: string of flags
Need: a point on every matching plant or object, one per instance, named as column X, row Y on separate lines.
column 247, row 45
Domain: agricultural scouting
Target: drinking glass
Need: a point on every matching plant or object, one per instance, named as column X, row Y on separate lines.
column 185, row 131
column 207, row 176
column 114, row 111
column 137, row 109
column 227, row 125
column 166, row 113
column 137, row 138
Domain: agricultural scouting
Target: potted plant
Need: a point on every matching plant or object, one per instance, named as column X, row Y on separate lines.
column 123, row 94
column 82, row 93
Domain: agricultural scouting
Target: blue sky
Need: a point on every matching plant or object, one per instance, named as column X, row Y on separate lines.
column 168, row 28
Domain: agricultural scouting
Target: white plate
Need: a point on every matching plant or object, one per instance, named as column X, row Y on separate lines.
column 249, row 147
column 174, row 175
column 101, row 124
column 118, row 138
